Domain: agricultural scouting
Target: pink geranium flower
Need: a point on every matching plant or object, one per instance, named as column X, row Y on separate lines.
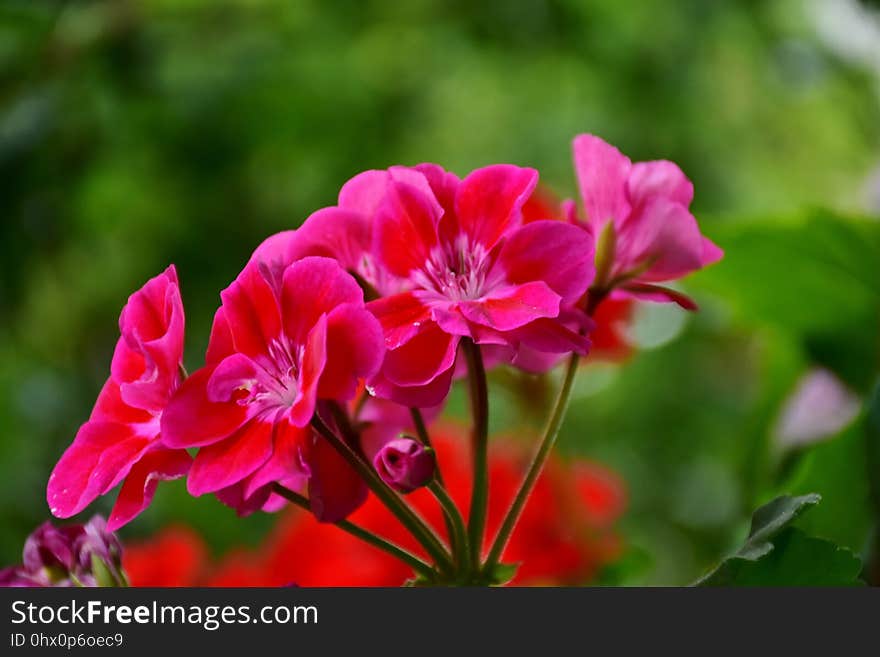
column 647, row 203
column 451, row 259
column 122, row 441
column 284, row 338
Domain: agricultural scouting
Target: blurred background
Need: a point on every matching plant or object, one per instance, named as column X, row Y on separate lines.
column 135, row 134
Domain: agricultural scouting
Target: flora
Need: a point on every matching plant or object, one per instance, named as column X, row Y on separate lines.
column 339, row 341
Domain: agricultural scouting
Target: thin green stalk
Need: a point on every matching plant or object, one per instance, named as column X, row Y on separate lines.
column 549, row 438
column 479, row 395
column 365, row 535
column 456, row 527
column 595, row 296
column 388, row 497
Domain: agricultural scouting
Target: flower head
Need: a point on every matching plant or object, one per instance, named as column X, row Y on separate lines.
column 452, row 259
column 81, row 555
column 646, row 205
column 284, row 338
column 122, row 442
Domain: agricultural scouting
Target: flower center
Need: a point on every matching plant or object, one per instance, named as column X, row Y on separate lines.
column 274, row 383
column 456, row 271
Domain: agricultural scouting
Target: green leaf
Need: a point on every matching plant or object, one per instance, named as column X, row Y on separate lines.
column 502, row 573
column 813, row 276
column 777, row 554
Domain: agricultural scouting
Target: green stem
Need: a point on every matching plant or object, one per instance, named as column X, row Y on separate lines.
column 595, row 296
column 536, row 465
column 480, row 409
column 422, row 533
column 456, row 528
column 365, row 535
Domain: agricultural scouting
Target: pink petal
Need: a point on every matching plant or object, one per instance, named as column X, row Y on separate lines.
column 355, row 349
column 711, row 253
column 193, row 420
column 664, row 232
column 231, row 375
column 602, row 173
column 559, row 254
column 220, row 343
column 406, row 229
column 658, row 179
column 229, row 461
column 365, row 192
column 311, row 368
column 110, row 407
column 251, row 309
column 552, row 336
column 140, row 484
column 286, row 463
column 400, row 315
column 344, row 235
column 313, row 287
column 489, row 201
column 99, row 458
column 335, row 488
column 420, row 396
column 513, row 306
column 429, row 353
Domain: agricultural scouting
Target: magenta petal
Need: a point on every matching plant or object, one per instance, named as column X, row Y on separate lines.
column 419, row 361
column 193, row 420
column 285, row 464
column 313, row 287
column 344, row 235
column 419, row 396
column 405, row 229
column 400, row 315
column 665, row 233
column 220, row 343
column 552, row 336
column 99, row 458
column 559, row 254
column 312, row 366
column 711, row 253
column 231, row 375
column 602, row 173
column 355, row 349
column 489, row 201
column 251, row 309
column 658, row 179
column 365, row 192
column 513, row 306
column 335, row 488
column 404, row 464
column 140, row 484
column 231, row 460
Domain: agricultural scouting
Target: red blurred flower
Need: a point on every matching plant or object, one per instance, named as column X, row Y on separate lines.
column 565, row 535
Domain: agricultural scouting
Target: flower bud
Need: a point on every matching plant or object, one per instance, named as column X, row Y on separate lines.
column 404, row 464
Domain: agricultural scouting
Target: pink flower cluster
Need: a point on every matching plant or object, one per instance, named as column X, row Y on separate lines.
column 360, row 314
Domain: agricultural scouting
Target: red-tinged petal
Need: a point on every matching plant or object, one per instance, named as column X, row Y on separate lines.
column 313, row 287
column 140, row 484
column 542, row 205
column 344, row 235
column 229, row 461
column 664, row 233
column 232, row 374
column 489, row 201
column 429, row 353
column 511, row 307
column 406, row 228
column 311, row 368
column 335, row 488
column 110, row 407
column 99, row 458
column 661, row 294
column 552, row 336
column 401, row 317
column 355, row 349
column 251, row 308
column 420, row 396
column 602, row 173
column 557, row 253
column 286, row 463
column 193, row 420
column 365, row 192
column 220, row 343
column 234, row 497
column 712, row 253
column 658, row 179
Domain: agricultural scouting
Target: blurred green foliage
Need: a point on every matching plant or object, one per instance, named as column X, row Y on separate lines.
column 134, row 134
